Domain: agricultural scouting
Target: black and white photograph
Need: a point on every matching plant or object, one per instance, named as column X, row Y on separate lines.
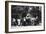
column 25, row 16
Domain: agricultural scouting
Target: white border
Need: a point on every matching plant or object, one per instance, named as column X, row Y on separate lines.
column 27, row 27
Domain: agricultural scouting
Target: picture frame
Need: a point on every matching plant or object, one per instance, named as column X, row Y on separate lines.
column 11, row 10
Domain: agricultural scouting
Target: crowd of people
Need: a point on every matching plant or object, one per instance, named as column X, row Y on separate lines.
column 29, row 18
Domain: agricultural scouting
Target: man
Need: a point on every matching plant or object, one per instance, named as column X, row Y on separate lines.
column 28, row 19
